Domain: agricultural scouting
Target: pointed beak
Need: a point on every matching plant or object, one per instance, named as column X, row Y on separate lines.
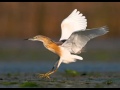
column 26, row 39
column 30, row 39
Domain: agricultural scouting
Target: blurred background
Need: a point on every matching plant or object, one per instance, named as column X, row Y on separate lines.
column 21, row 20
column 26, row 19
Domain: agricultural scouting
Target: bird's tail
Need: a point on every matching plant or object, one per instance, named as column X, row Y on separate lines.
column 72, row 58
column 76, row 57
column 67, row 57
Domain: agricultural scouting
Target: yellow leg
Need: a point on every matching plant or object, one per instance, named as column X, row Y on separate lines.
column 47, row 75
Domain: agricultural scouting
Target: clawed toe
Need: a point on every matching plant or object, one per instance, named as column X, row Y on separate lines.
column 44, row 76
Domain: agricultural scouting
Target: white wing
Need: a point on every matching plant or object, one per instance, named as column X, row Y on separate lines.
column 74, row 22
column 79, row 39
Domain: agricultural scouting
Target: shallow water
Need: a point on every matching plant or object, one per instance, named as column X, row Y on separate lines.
column 41, row 66
column 20, row 61
column 27, row 56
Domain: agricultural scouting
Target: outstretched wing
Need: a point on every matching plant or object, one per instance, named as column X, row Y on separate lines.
column 79, row 39
column 74, row 22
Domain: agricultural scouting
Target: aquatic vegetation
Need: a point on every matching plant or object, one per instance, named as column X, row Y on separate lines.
column 108, row 82
column 67, row 79
column 29, row 84
column 8, row 83
column 8, row 74
column 98, row 85
column 71, row 72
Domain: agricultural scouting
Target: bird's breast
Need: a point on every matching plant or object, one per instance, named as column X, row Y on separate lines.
column 54, row 48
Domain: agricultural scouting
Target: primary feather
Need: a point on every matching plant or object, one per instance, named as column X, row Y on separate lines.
column 74, row 22
column 79, row 39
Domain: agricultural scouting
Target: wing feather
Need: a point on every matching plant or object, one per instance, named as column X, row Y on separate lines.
column 74, row 22
column 79, row 39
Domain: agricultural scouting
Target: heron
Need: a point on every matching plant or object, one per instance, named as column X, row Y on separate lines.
column 74, row 36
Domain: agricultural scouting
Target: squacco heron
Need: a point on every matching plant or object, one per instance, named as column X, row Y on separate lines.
column 74, row 36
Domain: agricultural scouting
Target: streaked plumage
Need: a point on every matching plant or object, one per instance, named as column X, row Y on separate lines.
column 74, row 36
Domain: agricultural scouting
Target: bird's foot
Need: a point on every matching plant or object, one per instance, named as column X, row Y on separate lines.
column 46, row 75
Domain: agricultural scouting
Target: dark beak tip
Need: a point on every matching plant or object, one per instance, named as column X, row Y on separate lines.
column 26, row 39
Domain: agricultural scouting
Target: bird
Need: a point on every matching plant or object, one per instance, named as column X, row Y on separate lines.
column 74, row 37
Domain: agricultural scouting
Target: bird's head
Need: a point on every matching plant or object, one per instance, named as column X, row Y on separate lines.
column 37, row 38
